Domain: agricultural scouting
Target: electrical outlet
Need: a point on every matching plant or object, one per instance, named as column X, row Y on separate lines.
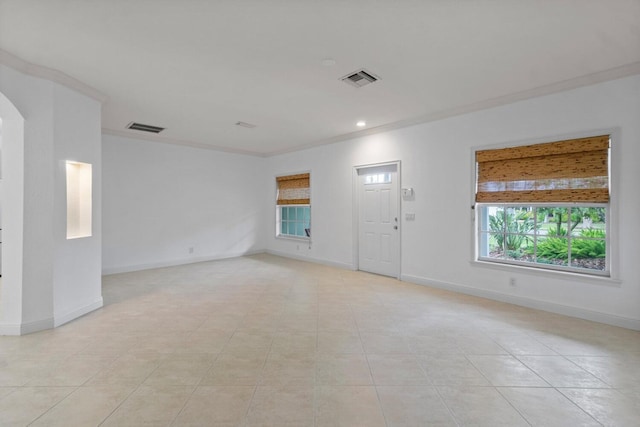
column 512, row 281
column 191, row 250
column 297, row 247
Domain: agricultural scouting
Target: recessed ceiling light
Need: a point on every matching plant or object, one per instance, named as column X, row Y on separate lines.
column 361, row 123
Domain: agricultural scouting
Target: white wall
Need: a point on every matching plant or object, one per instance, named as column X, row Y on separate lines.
column 159, row 200
column 33, row 97
column 437, row 162
column 12, row 218
column 58, row 124
column 77, row 262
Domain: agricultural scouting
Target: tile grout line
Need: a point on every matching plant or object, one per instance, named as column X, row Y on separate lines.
column 135, row 389
column 366, row 355
column 53, row 406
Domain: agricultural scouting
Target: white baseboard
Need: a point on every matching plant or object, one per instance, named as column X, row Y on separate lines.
column 552, row 307
column 26, row 328
column 43, row 324
column 191, row 260
column 322, row 261
column 9, row 329
column 74, row 314
column 36, row 325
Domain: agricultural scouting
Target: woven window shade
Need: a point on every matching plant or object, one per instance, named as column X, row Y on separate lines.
column 575, row 170
column 294, row 189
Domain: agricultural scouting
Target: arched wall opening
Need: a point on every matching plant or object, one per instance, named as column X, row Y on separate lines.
column 12, row 210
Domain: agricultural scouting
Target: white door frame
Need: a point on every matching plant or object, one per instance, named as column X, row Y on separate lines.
column 356, row 212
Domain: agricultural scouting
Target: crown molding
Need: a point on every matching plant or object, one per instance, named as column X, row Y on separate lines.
column 173, row 141
column 562, row 86
column 11, row 60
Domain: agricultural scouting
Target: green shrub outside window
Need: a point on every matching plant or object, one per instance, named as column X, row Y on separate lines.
column 568, row 238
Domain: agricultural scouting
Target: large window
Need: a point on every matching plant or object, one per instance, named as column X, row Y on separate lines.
column 566, row 237
column 293, row 216
column 545, row 205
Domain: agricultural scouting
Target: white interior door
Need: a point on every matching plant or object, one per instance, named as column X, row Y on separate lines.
column 378, row 220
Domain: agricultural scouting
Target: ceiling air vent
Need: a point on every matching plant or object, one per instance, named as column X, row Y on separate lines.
column 144, row 128
column 245, row 125
column 360, row 78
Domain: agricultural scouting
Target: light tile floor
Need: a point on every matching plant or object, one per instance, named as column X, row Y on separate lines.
column 269, row 341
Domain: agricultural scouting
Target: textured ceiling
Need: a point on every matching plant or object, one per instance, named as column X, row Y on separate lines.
column 198, row 67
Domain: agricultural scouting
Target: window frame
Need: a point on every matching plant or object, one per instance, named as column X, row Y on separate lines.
column 278, row 213
column 478, row 231
column 613, row 233
column 279, row 220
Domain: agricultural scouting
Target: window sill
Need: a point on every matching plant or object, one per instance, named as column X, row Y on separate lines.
column 556, row 274
column 294, row 238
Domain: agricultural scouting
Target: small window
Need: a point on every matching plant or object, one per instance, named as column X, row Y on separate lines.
column 295, row 220
column 293, row 203
column 545, row 205
column 378, row 178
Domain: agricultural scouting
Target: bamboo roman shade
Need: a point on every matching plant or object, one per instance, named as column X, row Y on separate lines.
column 575, row 170
column 294, row 189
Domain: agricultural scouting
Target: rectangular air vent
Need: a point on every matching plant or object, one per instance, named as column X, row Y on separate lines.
column 144, row 128
column 360, row 78
column 245, row 125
